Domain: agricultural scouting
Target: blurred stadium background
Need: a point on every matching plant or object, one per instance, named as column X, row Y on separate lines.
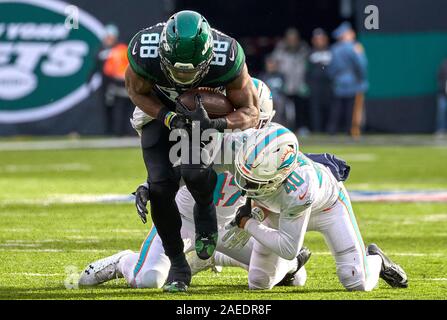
column 69, row 158
column 50, row 88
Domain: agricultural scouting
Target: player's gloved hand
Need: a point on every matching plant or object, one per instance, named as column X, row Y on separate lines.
column 173, row 120
column 141, row 200
column 201, row 116
column 236, row 237
column 242, row 212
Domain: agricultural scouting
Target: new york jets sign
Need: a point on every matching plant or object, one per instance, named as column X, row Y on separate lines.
column 44, row 64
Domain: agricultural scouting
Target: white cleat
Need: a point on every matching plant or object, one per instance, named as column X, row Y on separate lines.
column 102, row 270
column 197, row 265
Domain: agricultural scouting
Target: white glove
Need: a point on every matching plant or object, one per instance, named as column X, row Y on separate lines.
column 237, row 238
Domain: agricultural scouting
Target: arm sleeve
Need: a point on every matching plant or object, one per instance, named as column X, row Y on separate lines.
column 287, row 241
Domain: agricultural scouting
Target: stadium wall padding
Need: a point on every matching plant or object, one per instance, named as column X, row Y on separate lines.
column 404, row 56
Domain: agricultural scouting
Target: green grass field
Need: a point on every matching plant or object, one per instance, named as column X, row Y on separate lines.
column 41, row 238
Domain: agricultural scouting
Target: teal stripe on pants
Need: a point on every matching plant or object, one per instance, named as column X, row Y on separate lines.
column 348, row 205
column 144, row 250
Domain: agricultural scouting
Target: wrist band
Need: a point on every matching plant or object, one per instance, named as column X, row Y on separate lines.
column 168, row 117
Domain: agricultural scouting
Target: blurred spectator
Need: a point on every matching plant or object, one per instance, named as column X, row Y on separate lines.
column 348, row 73
column 291, row 54
column 112, row 62
column 318, row 80
column 285, row 108
column 441, row 117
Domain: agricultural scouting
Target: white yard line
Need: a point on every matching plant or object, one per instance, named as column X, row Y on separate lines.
column 70, row 144
column 52, row 167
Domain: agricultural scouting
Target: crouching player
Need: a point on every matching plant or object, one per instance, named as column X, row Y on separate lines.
column 300, row 195
column 149, row 267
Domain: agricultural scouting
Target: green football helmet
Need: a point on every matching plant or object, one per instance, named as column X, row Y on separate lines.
column 186, row 48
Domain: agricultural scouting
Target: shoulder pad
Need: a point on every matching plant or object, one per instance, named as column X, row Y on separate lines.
column 228, row 61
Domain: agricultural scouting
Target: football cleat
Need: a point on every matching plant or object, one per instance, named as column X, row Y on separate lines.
column 197, row 265
column 175, row 286
column 391, row 272
column 302, row 258
column 206, row 244
column 102, row 270
column 179, row 276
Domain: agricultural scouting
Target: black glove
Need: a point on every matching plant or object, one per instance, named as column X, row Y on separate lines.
column 242, row 211
column 141, row 200
column 173, row 120
column 200, row 115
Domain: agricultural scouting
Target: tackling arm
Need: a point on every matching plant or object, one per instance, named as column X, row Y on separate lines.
column 242, row 93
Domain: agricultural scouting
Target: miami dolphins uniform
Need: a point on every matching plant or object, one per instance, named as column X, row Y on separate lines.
column 310, row 199
column 149, row 267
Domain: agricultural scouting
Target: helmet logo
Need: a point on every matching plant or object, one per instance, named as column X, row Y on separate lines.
column 164, row 42
column 208, row 44
column 288, row 158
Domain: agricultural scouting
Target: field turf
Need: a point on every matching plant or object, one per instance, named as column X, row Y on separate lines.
column 45, row 233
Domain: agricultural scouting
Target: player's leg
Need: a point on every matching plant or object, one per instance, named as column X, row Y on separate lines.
column 163, row 185
column 149, row 268
column 355, row 270
column 201, row 180
column 266, row 268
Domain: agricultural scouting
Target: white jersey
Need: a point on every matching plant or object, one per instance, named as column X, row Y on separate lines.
column 310, row 185
column 311, row 188
column 227, row 198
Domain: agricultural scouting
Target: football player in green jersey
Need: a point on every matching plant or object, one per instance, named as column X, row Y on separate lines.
column 167, row 60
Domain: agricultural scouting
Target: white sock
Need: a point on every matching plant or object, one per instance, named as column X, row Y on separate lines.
column 293, row 264
column 374, row 266
column 226, row 261
column 126, row 265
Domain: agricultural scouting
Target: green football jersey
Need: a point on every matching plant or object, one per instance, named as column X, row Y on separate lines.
column 226, row 66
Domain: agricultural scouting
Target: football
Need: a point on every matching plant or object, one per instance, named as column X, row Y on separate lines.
column 215, row 103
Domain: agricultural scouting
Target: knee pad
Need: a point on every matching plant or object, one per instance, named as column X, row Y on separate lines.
column 151, row 279
column 259, row 280
column 352, row 276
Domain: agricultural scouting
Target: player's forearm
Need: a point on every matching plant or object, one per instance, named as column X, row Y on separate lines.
column 283, row 244
column 141, row 94
column 149, row 104
column 243, row 118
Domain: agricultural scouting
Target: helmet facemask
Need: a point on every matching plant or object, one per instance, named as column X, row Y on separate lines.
column 255, row 188
column 186, row 49
column 185, row 74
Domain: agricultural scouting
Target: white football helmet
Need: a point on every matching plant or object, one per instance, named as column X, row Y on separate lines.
column 266, row 112
column 265, row 160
